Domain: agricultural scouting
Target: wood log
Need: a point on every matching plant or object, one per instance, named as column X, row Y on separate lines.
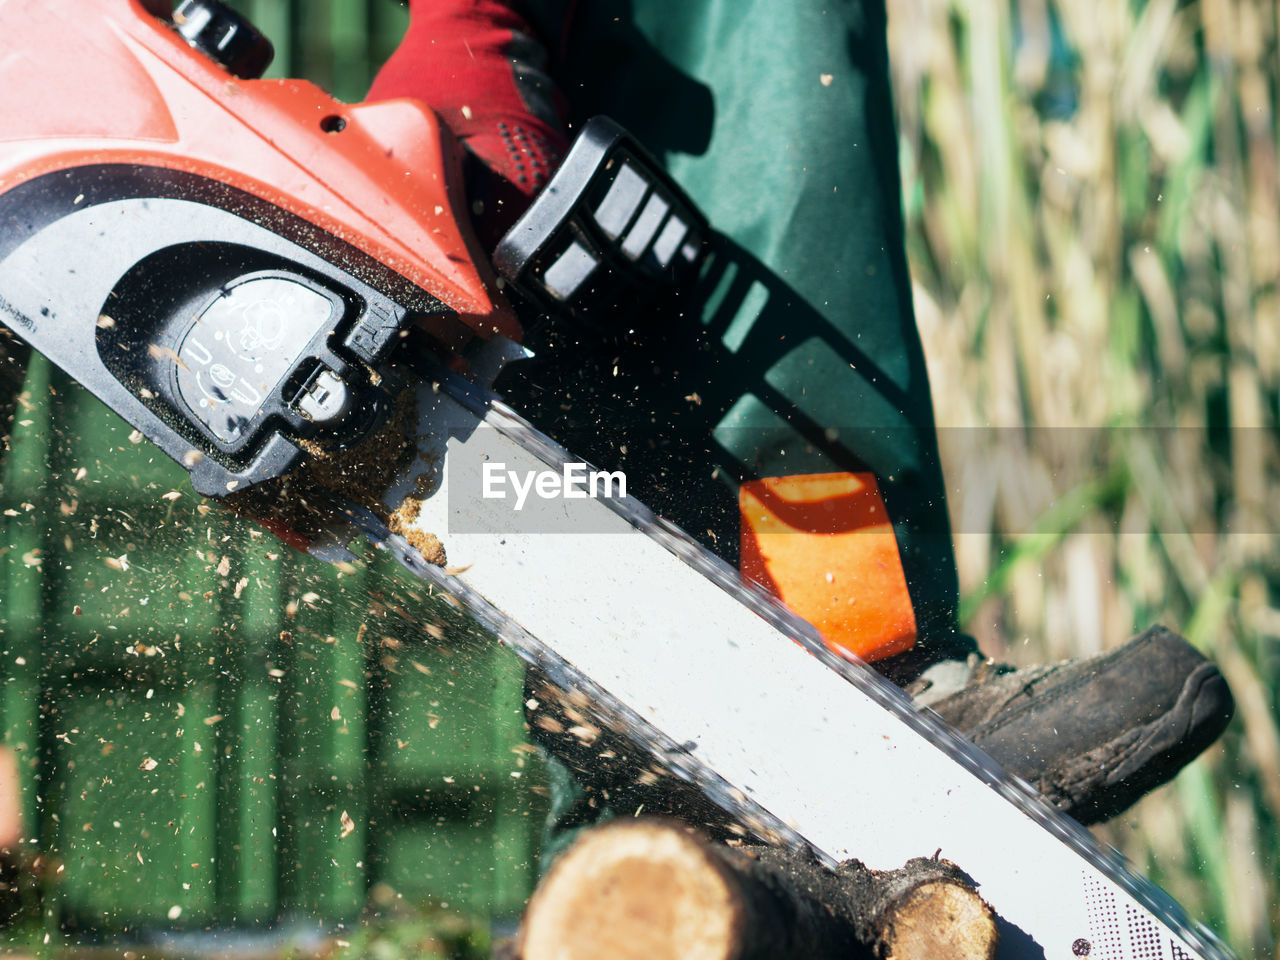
column 926, row 910
column 656, row 890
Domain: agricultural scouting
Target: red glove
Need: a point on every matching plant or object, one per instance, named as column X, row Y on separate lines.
column 478, row 65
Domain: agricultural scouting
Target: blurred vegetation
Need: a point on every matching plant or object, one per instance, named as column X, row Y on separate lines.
column 394, row 930
column 1093, row 219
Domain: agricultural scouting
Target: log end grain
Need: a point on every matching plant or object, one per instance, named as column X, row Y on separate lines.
column 939, row 921
column 636, row 891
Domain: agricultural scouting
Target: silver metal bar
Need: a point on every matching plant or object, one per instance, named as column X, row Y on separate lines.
column 730, row 690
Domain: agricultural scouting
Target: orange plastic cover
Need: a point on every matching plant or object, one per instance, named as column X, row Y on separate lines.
column 823, row 544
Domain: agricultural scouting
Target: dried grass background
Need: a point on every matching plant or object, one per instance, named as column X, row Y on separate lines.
column 1093, row 218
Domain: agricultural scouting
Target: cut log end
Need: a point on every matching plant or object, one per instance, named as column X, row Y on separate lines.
column 656, row 890
column 913, row 926
column 637, row 891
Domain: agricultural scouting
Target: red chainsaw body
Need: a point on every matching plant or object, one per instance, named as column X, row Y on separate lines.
column 93, row 82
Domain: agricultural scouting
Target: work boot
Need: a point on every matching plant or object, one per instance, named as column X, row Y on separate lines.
column 1092, row 735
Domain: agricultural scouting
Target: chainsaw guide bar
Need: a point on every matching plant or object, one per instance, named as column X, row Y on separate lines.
column 721, row 687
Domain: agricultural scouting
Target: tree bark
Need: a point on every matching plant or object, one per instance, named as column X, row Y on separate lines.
column 656, row 890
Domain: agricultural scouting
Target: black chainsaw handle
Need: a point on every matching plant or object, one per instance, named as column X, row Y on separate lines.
column 610, row 233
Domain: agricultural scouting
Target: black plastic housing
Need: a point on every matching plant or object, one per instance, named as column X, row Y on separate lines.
column 110, row 271
column 608, row 235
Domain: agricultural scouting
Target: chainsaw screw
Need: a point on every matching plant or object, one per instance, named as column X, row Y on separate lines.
column 333, row 124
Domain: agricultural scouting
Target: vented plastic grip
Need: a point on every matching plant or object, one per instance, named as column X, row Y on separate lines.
column 610, row 233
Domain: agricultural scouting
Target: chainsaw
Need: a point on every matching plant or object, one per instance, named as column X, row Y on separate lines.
column 263, row 281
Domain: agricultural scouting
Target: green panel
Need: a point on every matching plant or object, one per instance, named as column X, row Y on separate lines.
column 273, row 17
column 325, row 872
column 389, row 23
column 349, row 43
column 248, row 861
column 448, row 860
column 322, row 746
column 160, row 597
column 432, row 734
column 115, row 459
column 134, row 802
column 469, row 843
column 22, row 568
column 208, row 633
column 327, row 674
column 452, row 768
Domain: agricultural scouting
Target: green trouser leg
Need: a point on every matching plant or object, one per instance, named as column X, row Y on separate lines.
column 799, row 353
